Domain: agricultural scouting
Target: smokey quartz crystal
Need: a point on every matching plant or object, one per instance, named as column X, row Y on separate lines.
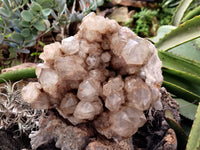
column 104, row 74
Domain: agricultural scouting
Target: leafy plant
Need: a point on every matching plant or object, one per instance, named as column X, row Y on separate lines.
column 179, row 50
column 144, row 19
column 194, row 137
column 150, row 19
column 23, row 22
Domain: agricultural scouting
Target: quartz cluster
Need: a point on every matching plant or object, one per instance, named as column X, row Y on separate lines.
column 104, row 74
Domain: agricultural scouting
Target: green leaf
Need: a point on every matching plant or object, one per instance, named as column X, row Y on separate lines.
column 46, row 12
column 194, row 137
column 180, row 134
column 191, row 14
column 45, row 3
column 161, row 32
column 40, row 26
column 17, row 37
column 17, row 75
column 26, row 15
column 180, row 87
column 25, row 24
column 4, row 12
column 172, row 61
column 25, row 32
column 180, row 10
column 16, row 22
column 183, row 33
column 189, row 50
column 186, row 109
column 30, row 37
column 36, row 7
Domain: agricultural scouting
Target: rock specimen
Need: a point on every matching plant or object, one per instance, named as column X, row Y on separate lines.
column 104, row 74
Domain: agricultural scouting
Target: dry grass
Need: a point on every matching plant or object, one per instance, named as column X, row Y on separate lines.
column 15, row 111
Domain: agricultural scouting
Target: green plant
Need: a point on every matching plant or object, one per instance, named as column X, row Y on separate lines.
column 194, row 138
column 179, row 51
column 22, row 22
column 17, row 75
column 150, row 19
column 144, row 19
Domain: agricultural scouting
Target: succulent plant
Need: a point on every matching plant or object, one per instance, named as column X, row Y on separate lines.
column 23, row 22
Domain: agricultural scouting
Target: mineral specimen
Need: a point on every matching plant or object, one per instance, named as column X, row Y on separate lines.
column 105, row 75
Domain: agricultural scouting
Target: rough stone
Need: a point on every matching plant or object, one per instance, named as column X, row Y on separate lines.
column 104, row 75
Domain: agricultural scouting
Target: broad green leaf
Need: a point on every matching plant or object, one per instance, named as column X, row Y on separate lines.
column 26, row 15
column 194, row 137
column 36, row 7
column 191, row 14
column 45, row 3
column 180, row 134
column 16, row 22
column 40, row 26
column 25, row 32
column 46, row 12
column 29, row 38
column 189, row 50
column 25, row 24
column 183, row 33
column 161, row 32
column 4, row 12
column 180, row 10
column 193, row 79
column 35, row 20
column 181, row 88
column 17, row 37
column 186, row 109
column 172, row 61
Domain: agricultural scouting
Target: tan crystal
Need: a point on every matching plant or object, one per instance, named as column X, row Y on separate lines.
column 114, row 100
column 50, row 52
column 50, row 82
column 119, row 40
column 126, row 121
column 87, row 110
column 104, row 74
column 105, row 57
column 136, row 51
column 67, row 47
column 138, row 93
column 72, row 71
column 67, row 105
column 89, row 89
column 32, row 94
column 113, row 85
